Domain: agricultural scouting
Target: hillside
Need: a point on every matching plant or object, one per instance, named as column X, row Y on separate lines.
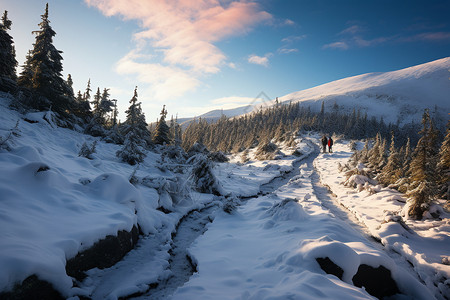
column 401, row 94
column 398, row 95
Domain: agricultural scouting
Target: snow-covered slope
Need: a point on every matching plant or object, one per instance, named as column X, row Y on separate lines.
column 216, row 114
column 399, row 94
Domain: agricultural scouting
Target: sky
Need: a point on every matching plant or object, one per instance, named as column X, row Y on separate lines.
column 198, row 55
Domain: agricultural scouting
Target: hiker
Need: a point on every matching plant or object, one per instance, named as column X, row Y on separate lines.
column 330, row 144
column 324, row 143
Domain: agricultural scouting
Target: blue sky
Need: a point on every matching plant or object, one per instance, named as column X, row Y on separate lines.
column 195, row 56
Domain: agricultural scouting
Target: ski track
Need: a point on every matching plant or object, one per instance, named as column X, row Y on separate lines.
column 194, row 224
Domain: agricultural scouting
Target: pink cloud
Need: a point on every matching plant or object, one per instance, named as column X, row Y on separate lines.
column 185, row 31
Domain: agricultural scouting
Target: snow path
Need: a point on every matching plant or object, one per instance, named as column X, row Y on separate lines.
column 266, row 249
column 419, row 249
column 181, row 266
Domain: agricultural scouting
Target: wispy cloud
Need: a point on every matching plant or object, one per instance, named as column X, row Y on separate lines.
column 428, row 36
column 293, row 38
column 336, row 45
column 184, row 33
column 289, row 22
column 260, row 60
column 352, row 30
column 287, row 50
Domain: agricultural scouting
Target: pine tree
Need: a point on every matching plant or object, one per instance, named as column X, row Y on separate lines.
column 391, row 172
column 161, row 136
column 26, row 76
column 444, row 166
column 8, row 62
column 136, row 134
column 423, row 188
column 96, row 103
column 45, row 65
column 69, row 83
column 87, row 93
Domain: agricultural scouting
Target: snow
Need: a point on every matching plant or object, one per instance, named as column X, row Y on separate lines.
column 54, row 204
column 425, row 244
column 398, row 95
column 267, row 250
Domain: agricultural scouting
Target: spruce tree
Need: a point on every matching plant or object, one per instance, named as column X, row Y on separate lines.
column 444, row 166
column 26, row 76
column 8, row 62
column 161, row 136
column 392, row 171
column 69, row 83
column 46, row 68
column 135, row 136
column 423, row 188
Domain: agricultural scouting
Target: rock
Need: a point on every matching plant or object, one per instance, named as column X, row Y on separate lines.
column 377, row 281
column 32, row 288
column 103, row 254
column 330, row 267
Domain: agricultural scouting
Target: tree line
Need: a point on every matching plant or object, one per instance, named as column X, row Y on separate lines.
column 422, row 173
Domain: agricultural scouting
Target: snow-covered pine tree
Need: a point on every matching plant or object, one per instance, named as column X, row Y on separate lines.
column 373, row 154
column 96, row 103
column 161, row 136
column 423, row 187
column 69, row 82
column 106, row 106
column 26, row 76
column 392, row 171
column 444, row 166
column 8, row 62
column 87, row 93
column 136, row 134
column 46, row 68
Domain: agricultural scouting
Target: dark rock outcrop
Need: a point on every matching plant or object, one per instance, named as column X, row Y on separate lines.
column 377, row 281
column 330, row 267
column 102, row 254
column 32, row 288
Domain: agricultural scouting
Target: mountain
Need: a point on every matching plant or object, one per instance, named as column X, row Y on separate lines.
column 396, row 96
column 216, row 114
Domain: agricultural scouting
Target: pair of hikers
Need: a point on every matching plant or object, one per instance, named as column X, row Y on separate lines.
column 327, row 141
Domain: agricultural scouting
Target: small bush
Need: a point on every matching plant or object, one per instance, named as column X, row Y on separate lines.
column 87, row 151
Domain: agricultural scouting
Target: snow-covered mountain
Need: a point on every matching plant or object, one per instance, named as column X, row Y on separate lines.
column 216, row 114
column 402, row 94
column 398, row 95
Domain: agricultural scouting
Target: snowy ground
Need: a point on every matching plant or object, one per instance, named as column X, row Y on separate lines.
column 54, row 204
column 425, row 244
column 267, row 249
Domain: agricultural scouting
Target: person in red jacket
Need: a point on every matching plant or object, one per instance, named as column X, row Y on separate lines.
column 330, row 144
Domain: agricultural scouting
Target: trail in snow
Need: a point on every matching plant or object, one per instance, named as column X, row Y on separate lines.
column 329, row 201
column 190, row 228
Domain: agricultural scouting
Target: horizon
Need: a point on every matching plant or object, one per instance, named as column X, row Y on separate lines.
column 201, row 56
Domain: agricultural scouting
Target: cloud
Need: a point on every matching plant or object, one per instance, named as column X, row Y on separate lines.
column 293, row 38
column 260, row 60
column 352, row 30
column 287, row 50
column 337, row 45
column 183, row 33
column 289, row 22
column 429, row 37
